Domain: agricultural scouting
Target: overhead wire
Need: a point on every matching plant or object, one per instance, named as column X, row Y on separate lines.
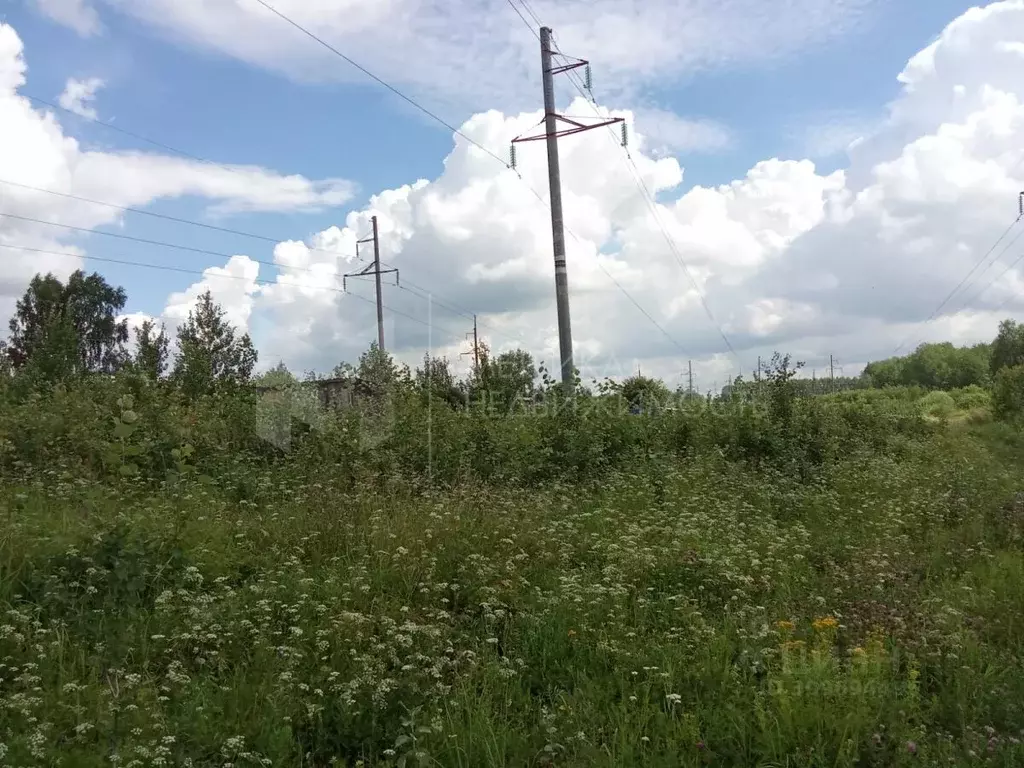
column 615, row 282
column 410, row 286
column 457, row 132
column 977, row 295
column 380, row 81
column 440, row 300
column 652, row 206
column 177, row 246
column 121, row 130
column 935, row 312
column 187, row 271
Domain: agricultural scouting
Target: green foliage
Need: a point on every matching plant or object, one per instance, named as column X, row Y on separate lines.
column 972, row 398
column 1008, row 347
column 1008, row 393
column 436, row 383
column 61, row 330
column 210, row 353
column 502, row 382
column 152, row 350
column 239, row 576
column 939, row 405
column 779, row 375
column 643, row 393
column 667, row 593
column 934, row 366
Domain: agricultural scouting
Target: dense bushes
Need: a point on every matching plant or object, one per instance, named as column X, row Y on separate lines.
column 1008, row 393
column 130, row 425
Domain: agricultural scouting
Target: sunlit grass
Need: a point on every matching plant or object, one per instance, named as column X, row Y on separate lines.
column 693, row 602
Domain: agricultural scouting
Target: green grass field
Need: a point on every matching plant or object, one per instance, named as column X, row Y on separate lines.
column 676, row 609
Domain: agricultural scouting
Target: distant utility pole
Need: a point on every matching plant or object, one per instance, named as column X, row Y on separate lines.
column 831, row 373
column 375, row 270
column 690, row 366
column 551, row 135
column 476, row 348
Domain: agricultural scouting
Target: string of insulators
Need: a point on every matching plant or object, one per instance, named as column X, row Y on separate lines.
column 588, row 79
column 625, row 136
column 512, row 155
column 1020, row 203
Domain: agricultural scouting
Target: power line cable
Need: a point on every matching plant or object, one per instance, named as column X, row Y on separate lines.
column 995, row 279
column 441, row 301
column 529, row 10
column 374, row 77
column 121, row 130
column 652, row 206
column 520, row 14
column 934, row 313
column 185, row 270
column 179, row 220
column 440, row 120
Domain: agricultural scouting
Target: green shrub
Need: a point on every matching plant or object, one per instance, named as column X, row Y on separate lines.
column 971, row 398
column 937, row 404
column 1008, row 393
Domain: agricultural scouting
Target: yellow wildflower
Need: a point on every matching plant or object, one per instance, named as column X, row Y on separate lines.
column 827, row 622
column 785, row 626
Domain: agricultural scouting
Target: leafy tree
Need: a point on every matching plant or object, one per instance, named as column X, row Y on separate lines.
column 152, row 350
column 934, row 366
column 505, row 379
column 278, row 377
column 67, row 329
column 435, row 381
column 643, row 392
column 779, row 375
column 377, row 374
column 1008, row 393
column 209, row 351
column 886, row 373
column 1008, row 347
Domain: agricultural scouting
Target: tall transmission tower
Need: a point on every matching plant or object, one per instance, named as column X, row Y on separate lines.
column 375, row 270
column 551, row 135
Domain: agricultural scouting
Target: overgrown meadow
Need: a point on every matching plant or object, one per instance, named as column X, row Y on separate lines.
column 213, row 581
column 197, row 571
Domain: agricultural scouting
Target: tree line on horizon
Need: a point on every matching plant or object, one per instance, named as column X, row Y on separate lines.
column 64, row 329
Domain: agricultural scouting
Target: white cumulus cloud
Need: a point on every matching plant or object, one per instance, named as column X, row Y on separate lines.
column 36, row 154
column 78, row 96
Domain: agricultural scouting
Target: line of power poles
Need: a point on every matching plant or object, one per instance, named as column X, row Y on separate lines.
column 551, row 135
column 814, row 372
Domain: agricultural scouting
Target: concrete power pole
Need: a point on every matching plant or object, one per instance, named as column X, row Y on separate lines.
column 375, row 270
column 551, row 135
column 476, row 349
column 557, row 221
column 831, row 373
column 376, row 274
column 690, row 391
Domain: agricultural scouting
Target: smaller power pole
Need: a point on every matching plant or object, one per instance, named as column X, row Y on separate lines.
column 831, row 373
column 476, row 345
column 690, row 366
column 375, row 270
column 476, row 348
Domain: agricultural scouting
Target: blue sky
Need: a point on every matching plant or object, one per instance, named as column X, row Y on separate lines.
column 221, row 109
column 300, row 110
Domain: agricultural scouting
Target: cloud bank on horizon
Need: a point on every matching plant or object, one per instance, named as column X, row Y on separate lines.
column 787, row 257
